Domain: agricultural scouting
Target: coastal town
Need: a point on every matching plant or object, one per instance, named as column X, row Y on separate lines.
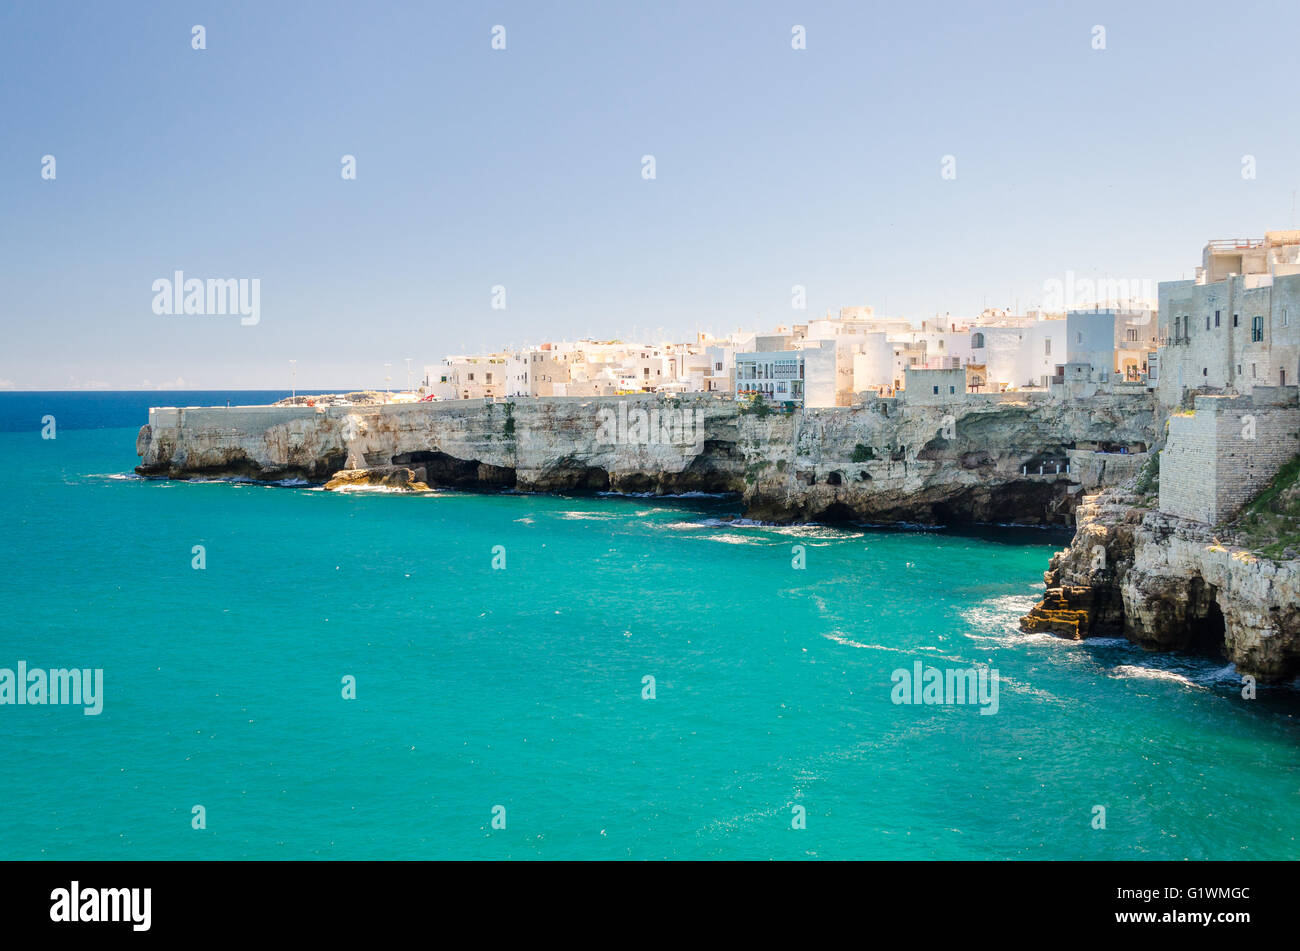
column 1175, row 416
column 1229, row 326
column 829, row 361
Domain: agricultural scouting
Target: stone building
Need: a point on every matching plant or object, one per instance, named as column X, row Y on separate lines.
column 1226, row 450
column 935, row 387
column 1236, row 324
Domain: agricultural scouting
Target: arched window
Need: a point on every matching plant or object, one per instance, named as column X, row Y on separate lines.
column 976, row 341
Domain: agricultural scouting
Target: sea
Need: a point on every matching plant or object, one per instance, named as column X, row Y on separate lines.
column 289, row 673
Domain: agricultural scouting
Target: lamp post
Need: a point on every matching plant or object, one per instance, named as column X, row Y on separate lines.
column 293, row 378
column 388, row 377
column 408, row 374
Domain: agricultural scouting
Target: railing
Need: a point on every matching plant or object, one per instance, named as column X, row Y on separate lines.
column 1234, row 244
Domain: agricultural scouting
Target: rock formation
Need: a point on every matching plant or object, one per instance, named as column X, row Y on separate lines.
column 1168, row 583
column 397, row 478
column 984, row 458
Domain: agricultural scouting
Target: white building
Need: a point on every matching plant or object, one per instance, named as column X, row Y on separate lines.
column 777, row 376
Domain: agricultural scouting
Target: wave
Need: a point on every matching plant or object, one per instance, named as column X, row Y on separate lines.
column 373, row 490
column 1226, row 674
column 729, row 539
column 808, row 530
column 666, row 495
column 997, row 619
column 1131, row 672
column 840, row 638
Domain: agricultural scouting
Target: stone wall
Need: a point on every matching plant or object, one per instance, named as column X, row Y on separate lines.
column 1221, row 455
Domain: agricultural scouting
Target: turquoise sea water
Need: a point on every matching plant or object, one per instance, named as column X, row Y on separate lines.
column 523, row 687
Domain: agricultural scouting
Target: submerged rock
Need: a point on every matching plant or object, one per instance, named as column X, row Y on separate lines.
column 399, row 478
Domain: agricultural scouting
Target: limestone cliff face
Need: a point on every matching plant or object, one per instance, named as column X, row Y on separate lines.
column 990, row 459
column 982, row 461
column 1167, row 583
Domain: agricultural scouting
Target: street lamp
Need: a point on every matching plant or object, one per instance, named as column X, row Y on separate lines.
column 293, row 378
column 408, row 374
column 388, row 377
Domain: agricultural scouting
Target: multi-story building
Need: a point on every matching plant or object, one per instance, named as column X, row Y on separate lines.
column 1136, row 340
column 468, row 378
column 1090, row 341
column 777, row 376
column 1236, row 324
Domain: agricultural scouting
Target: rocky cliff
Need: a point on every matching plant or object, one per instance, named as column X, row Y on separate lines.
column 1169, row 583
column 994, row 458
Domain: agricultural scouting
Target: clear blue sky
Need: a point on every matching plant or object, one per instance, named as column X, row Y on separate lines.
column 522, row 168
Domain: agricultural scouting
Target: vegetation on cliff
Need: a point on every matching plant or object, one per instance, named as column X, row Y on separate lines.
column 1147, row 482
column 1270, row 523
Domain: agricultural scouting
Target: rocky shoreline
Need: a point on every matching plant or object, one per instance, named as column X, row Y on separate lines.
column 1133, row 571
column 999, row 459
column 1171, row 584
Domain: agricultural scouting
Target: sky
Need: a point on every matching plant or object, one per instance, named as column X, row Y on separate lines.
column 522, row 168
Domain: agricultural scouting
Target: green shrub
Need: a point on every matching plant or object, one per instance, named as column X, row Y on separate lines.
column 1148, row 480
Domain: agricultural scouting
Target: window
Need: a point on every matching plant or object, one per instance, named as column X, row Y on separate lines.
column 1235, row 320
column 1131, row 335
column 977, row 341
column 1252, row 371
column 952, row 389
column 1207, row 321
column 1256, row 329
column 1078, row 337
column 1286, row 319
column 940, row 344
column 1205, row 371
column 936, row 391
column 1047, row 346
column 1216, row 318
column 717, row 366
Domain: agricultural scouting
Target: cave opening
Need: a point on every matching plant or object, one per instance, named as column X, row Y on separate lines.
column 837, row 513
column 1206, row 628
column 441, row 469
